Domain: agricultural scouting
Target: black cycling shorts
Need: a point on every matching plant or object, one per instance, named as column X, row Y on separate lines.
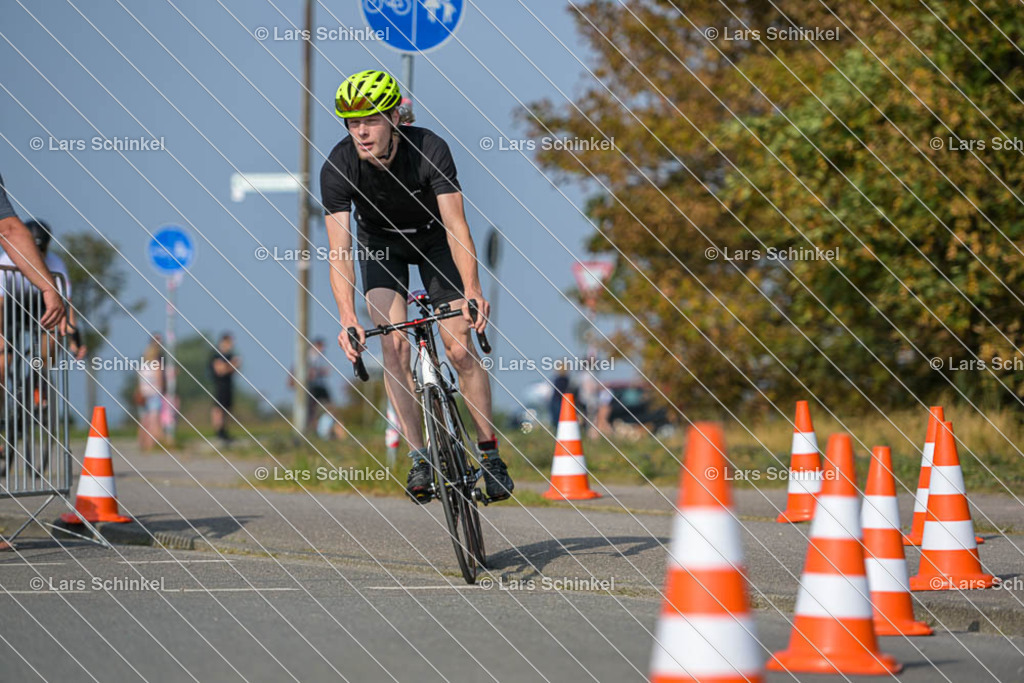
column 384, row 261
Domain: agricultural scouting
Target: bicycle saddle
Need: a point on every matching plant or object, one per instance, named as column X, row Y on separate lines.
column 419, row 296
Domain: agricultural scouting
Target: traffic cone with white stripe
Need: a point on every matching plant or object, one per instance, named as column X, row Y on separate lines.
column 935, row 418
column 569, row 480
column 885, row 561
column 392, row 437
column 96, row 500
column 705, row 632
column 832, row 628
column 949, row 554
column 804, row 469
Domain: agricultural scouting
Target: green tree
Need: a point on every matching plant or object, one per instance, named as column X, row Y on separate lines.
column 742, row 144
column 98, row 281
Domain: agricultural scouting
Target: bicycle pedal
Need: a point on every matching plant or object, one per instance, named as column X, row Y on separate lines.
column 420, row 499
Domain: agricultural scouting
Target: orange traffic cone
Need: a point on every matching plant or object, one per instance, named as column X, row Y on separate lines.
column 832, row 628
column 569, row 469
column 96, row 500
column 885, row 562
column 949, row 554
column 705, row 632
column 935, row 418
column 804, row 469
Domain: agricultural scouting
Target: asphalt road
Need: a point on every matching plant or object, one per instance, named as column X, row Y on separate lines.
column 85, row 613
column 293, row 586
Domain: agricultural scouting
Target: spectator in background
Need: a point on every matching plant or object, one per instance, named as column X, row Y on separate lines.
column 18, row 244
column 329, row 426
column 28, row 301
column 603, row 417
column 149, row 394
column 20, row 247
column 561, row 384
column 318, row 374
column 223, row 366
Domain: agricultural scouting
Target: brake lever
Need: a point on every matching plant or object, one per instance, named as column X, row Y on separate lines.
column 481, row 337
column 357, row 366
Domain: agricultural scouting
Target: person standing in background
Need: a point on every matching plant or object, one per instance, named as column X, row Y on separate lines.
column 27, row 300
column 318, row 373
column 223, row 366
column 19, row 244
column 561, row 384
column 149, row 395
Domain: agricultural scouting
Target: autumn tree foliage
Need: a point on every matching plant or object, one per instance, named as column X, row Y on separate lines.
column 806, row 198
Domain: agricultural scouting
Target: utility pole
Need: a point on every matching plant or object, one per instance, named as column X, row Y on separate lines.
column 407, row 76
column 300, row 417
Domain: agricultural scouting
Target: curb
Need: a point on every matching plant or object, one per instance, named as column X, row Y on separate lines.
column 129, row 533
column 134, row 533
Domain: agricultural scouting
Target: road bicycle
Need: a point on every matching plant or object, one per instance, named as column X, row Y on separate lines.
column 455, row 476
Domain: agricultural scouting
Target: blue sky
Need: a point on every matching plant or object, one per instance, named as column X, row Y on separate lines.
column 238, row 99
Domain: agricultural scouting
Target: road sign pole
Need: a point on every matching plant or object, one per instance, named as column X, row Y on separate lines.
column 407, row 64
column 300, row 416
column 170, row 419
column 171, row 252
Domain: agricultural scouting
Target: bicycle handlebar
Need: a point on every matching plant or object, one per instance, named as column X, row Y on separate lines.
column 481, row 337
column 357, row 366
column 353, row 338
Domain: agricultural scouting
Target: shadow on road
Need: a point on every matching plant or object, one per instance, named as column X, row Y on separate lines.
column 535, row 557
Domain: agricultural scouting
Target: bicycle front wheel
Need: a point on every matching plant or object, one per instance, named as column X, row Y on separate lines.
column 448, row 461
column 471, row 519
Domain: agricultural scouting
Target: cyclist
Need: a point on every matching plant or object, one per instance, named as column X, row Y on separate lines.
column 408, row 207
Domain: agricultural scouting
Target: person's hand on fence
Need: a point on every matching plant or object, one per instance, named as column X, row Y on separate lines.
column 55, row 314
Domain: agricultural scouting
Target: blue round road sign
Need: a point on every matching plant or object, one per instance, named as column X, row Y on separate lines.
column 171, row 250
column 413, row 25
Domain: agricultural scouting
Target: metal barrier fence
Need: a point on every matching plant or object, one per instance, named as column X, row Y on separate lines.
column 34, row 365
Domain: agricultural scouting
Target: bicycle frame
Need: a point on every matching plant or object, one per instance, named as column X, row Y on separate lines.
column 428, row 373
column 455, row 478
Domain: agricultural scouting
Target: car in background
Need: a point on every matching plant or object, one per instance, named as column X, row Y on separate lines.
column 532, row 409
column 632, row 409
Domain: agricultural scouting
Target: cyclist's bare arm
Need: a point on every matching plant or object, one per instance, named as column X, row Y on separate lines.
column 343, row 278
column 17, row 241
column 453, row 215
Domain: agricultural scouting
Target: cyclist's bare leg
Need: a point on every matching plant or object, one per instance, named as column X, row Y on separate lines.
column 475, row 385
column 388, row 306
column 474, row 382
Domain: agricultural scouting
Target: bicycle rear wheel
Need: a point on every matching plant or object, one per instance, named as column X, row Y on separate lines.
column 448, row 460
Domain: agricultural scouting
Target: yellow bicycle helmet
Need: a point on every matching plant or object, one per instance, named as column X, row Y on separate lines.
column 365, row 93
